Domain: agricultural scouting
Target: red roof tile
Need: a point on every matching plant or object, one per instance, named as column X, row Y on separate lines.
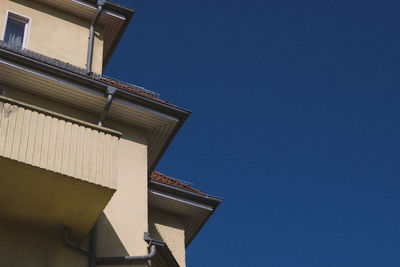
column 162, row 178
column 77, row 70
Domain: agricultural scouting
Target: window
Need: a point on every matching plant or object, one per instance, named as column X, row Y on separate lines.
column 16, row 30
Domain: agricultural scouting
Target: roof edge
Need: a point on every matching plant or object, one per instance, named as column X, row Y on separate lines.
column 100, row 86
column 213, row 201
column 202, row 198
column 149, row 102
column 128, row 13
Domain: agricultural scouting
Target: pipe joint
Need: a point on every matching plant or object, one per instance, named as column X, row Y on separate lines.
column 111, row 90
column 101, row 2
column 110, row 93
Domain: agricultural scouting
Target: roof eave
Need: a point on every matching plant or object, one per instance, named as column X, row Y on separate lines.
column 125, row 11
column 128, row 13
column 132, row 97
column 202, row 198
column 122, row 14
column 95, row 84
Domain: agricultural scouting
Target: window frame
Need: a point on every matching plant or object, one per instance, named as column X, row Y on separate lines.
column 22, row 19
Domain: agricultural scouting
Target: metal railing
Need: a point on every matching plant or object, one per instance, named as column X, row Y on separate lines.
column 125, row 85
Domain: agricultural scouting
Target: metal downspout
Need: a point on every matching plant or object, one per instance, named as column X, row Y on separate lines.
column 92, row 254
column 127, row 259
column 89, row 60
column 93, row 245
column 110, row 93
column 118, row 259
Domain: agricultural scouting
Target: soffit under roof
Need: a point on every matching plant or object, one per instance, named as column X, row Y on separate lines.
column 160, row 127
column 195, row 214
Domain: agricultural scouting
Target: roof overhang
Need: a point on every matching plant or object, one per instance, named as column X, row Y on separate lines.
column 160, row 120
column 114, row 18
column 194, row 207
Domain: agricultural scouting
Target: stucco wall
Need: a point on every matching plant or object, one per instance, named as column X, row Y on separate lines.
column 127, row 210
column 170, row 229
column 56, row 34
column 24, row 246
column 125, row 218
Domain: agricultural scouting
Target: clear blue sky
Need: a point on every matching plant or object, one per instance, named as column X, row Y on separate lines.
column 295, row 123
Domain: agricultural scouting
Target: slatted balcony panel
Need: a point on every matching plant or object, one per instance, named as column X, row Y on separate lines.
column 55, row 171
column 59, row 145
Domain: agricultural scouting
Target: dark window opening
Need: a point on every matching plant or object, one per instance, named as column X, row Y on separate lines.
column 15, row 30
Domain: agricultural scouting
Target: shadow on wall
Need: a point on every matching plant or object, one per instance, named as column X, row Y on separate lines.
column 21, row 245
column 108, row 242
column 110, row 245
column 169, row 228
column 160, row 217
column 158, row 260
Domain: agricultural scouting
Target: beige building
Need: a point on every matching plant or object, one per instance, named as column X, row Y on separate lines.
column 78, row 150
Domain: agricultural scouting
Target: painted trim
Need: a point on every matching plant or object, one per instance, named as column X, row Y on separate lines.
column 194, row 196
column 51, row 77
column 179, row 113
column 149, row 110
column 145, row 109
column 180, row 199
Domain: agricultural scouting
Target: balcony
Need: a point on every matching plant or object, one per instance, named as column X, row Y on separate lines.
column 55, row 171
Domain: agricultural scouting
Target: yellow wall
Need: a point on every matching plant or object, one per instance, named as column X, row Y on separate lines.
column 22, row 246
column 127, row 210
column 125, row 218
column 170, row 229
column 56, row 34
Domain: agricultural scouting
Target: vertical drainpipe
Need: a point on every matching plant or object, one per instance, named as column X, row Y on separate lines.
column 110, row 93
column 93, row 233
column 93, row 245
column 89, row 60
